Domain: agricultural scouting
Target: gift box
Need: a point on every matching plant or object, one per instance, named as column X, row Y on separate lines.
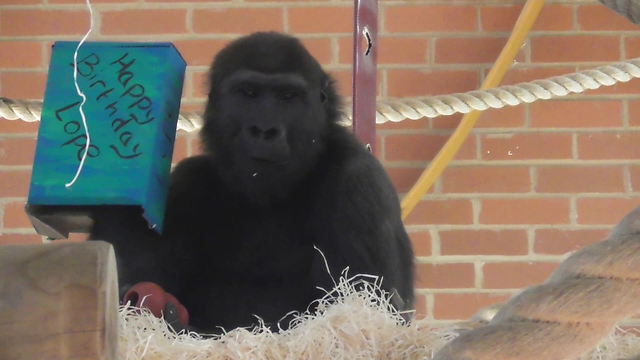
column 133, row 94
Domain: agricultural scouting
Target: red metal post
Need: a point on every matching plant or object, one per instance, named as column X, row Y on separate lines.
column 365, row 53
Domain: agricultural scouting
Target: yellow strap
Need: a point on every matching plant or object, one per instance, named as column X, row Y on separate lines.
column 518, row 36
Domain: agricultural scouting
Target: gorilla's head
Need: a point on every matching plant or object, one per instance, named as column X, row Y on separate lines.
column 270, row 109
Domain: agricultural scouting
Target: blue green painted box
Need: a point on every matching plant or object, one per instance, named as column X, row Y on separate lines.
column 133, row 93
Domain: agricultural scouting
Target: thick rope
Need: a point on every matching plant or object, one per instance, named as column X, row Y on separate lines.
column 570, row 313
column 627, row 8
column 398, row 110
column 31, row 110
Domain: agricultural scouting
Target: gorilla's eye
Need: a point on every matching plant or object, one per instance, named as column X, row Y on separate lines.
column 247, row 91
column 287, row 95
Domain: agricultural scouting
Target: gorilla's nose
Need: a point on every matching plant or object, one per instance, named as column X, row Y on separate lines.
column 266, row 143
column 265, row 133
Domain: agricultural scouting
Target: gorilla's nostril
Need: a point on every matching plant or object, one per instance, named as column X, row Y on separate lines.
column 254, row 131
column 271, row 133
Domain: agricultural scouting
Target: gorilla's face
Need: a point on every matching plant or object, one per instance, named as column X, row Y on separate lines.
column 270, row 109
column 269, row 120
column 267, row 124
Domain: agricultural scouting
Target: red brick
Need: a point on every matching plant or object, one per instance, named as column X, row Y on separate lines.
column 445, row 276
column 632, row 47
column 506, row 117
column 455, row 211
column 323, row 20
column 463, row 306
column 192, row 106
column 420, row 305
column 397, row 50
column 434, row 18
column 604, row 211
column 634, row 111
column 344, row 82
column 476, row 50
column 422, row 147
column 516, row 275
column 502, row 18
column 576, row 114
column 595, row 18
column 406, row 124
column 559, row 242
column 412, row 83
column 18, row 126
column 173, row 1
column 320, row 49
column 189, row 142
column 19, row 2
column 237, row 20
column 17, row 151
column 486, row 179
column 24, row 54
column 605, row 146
column 23, row 85
column 378, row 147
column 180, row 147
column 75, row 238
column 14, row 183
column 403, row 179
column 634, row 171
column 199, row 52
column 449, row 122
column 84, row 2
column 15, row 239
column 579, row 179
column 144, row 22
column 421, row 241
column 200, row 84
column 575, row 48
column 531, row 211
column 528, row 74
column 196, row 148
column 483, row 242
column 35, row 22
column 526, row 146
column 15, row 216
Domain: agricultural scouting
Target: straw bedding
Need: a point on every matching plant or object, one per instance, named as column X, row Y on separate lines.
column 354, row 321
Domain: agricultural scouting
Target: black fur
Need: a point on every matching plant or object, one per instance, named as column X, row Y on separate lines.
column 278, row 177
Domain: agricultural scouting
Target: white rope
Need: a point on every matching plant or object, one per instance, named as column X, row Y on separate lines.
column 80, row 93
column 627, row 8
column 401, row 109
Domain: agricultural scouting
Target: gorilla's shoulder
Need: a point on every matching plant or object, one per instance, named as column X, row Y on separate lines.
column 344, row 149
column 348, row 157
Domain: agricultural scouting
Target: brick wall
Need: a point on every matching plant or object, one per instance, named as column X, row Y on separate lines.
column 531, row 183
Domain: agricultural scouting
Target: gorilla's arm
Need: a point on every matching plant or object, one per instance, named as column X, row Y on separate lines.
column 142, row 254
column 357, row 222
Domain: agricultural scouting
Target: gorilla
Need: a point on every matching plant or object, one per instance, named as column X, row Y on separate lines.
column 281, row 201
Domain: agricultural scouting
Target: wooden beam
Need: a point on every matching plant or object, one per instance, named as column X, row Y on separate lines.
column 58, row 301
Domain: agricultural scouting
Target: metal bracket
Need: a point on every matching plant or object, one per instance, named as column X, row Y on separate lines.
column 365, row 55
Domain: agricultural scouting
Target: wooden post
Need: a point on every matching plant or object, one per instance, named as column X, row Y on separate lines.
column 58, row 301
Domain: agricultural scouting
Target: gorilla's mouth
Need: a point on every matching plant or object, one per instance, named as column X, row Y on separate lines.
column 266, row 160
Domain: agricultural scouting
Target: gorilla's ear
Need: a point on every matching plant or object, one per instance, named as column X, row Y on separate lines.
column 323, row 93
